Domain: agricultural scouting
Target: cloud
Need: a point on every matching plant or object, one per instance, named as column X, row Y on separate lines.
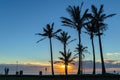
column 113, row 54
column 106, row 60
column 35, row 63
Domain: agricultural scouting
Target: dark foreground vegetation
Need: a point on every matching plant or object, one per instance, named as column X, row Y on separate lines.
column 60, row 77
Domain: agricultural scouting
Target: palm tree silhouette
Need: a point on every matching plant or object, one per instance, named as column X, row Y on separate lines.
column 64, row 39
column 77, row 21
column 66, row 59
column 48, row 33
column 82, row 50
column 97, row 18
column 91, row 32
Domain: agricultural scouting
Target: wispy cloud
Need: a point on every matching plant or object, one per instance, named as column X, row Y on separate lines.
column 113, row 54
column 35, row 63
column 111, row 61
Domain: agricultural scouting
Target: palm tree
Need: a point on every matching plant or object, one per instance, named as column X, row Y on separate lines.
column 77, row 21
column 97, row 18
column 64, row 39
column 48, row 33
column 91, row 32
column 66, row 59
column 81, row 49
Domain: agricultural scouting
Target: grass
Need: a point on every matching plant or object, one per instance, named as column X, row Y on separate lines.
column 60, row 77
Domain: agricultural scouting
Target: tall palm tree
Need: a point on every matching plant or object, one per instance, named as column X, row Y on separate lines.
column 48, row 33
column 66, row 59
column 97, row 18
column 91, row 32
column 64, row 39
column 77, row 21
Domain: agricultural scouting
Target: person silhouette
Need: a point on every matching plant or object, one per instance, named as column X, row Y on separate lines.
column 6, row 71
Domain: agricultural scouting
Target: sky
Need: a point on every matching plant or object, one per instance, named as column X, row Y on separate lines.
column 21, row 19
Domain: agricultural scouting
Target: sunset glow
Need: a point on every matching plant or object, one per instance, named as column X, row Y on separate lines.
column 63, row 66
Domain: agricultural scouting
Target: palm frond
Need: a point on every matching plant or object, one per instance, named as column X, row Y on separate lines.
column 40, row 40
column 38, row 34
column 59, row 38
column 81, row 6
column 52, row 24
column 59, row 30
column 94, row 10
column 68, row 22
column 71, row 11
column 72, row 59
column 100, row 10
column 69, row 55
column 74, row 13
column 111, row 15
column 44, row 34
column 49, row 28
column 45, row 30
column 83, row 56
column 89, row 16
column 103, row 27
column 86, row 32
column 102, row 17
column 85, row 15
column 61, row 58
column 71, row 41
column 62, row 53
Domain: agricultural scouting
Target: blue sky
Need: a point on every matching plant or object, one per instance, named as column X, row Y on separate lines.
column 21, row 19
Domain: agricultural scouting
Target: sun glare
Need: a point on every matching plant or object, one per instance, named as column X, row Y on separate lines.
column 60, row 68
column 63, row 66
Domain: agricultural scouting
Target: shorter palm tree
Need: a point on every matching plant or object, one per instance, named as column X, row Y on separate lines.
column 81, row 49
column 48, row 33
column 64, row 39
column 66, row 59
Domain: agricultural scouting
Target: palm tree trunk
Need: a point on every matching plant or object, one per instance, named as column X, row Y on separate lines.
column 101, row 53
column 51, row 57
column 93, row 54
column 66, row 69
column 80, row 55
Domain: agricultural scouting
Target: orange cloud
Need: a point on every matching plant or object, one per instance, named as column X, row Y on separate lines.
column 35, row 63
